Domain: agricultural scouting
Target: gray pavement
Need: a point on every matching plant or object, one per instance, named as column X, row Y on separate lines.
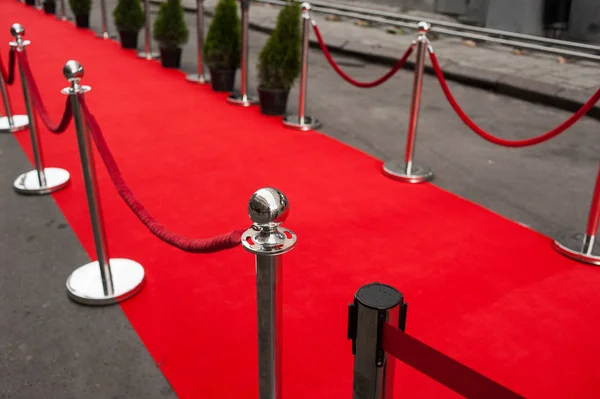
column 51, row 348
column 530, row 76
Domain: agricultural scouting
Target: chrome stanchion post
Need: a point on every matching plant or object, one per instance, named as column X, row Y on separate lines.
column 38, row 5
column 147, row 53
column 104, row 34
column 42, row 180
column 105, row 281
column 10, row 123
column 268, row 208
column 199, row 77
column 63, row 12
column 374, row 304
column 242, row 98
column 408, row 171
column 301, row 121
column 581, row 247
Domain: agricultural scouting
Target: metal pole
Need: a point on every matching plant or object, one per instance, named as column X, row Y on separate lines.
column 408, row 171
column 42, row 180
column 242, row 97
column 104, row 34
column 82, row 284
column 199, row 77
column 268, row 208
column 38, row 5
column 10, row 123
column 147, row 53
column 583, row 248
column 301, row 121
column 63, row 11
column 374, row 304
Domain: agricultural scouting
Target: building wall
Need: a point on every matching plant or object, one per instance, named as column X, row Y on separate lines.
column 584, row 24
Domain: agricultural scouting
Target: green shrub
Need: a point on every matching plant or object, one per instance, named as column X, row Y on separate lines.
column 129, row 16
column 169, row 27
column 280, row 59
column 80, row 7
column 222, row 49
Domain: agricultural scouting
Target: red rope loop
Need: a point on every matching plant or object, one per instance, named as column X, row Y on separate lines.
column 509, row 143
column 38, row 103
column 8, row 76
column 347, row 77
column 206, row 245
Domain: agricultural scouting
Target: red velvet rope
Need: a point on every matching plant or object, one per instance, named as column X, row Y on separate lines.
column 207, row 245
column 38, row 103
column 509, row 143
column 8, row 77
column 347, row 77
column 442, row 368
column 594, row 216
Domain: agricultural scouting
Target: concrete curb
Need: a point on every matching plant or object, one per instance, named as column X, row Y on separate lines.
column 513, row 86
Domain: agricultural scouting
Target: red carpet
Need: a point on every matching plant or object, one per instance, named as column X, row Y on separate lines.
column 481, row 288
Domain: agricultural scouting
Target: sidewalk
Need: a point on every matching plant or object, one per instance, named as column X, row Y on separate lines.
column 532, row 76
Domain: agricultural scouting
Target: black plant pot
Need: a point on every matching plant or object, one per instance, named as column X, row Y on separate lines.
column 82, row 20
column 222, row 80
column 129, row 39
column 273, row 101
column 30, row 2
column 49, row 7
column 170, row 57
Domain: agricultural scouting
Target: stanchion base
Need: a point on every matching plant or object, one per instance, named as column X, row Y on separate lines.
column 105, row 36
column 29, row 184
column 65, row 18
column 149, row 56
column 572, row 247
column 416, row 174
column 84, row 285
column 305, row 124
column 242, row 100
column 195, row 78
column 20, row 122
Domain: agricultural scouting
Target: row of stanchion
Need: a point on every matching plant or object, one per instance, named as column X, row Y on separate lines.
column 377, row 317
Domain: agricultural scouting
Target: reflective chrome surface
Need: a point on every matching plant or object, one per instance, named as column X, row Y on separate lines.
column 242, row 98
column 63, row 12
column 148, row 53
column 305, row 123
column 199, row 77
column 84, row 285
column 580, row 247
column 268, row 208
column 104, row 34
column 16, row 124
column 29, row 183
column 412, row 173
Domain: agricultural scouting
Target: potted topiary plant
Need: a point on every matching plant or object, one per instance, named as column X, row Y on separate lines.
column 222, row 48
column 129, row 19
column 81, row 9
column 170, row 32
column 49, row 6
column 30, row 2
column 279, row 61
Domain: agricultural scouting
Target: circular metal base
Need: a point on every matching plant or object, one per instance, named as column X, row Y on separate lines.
column 105, row 36
column 572, row 247
column 28, row 183
column 149, row 56
column 84, row 285
column 195, row 78
column 399, row 171
column 65, row 18
column 242, row 100
column 20, row 122
column 305, row 124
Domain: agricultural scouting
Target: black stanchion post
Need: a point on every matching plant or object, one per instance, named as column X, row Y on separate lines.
column 268, row 208
column 42, row 180
column 408, row 171
column 302, row 121
column 10, row 123
column 105, row 281
column 374, row 304
column 242, row 98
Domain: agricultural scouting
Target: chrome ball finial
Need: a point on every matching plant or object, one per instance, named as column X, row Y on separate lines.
column 17, row 30
column 305, row 6
column 73, row 70
column 268, row 206
column 423, row 27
